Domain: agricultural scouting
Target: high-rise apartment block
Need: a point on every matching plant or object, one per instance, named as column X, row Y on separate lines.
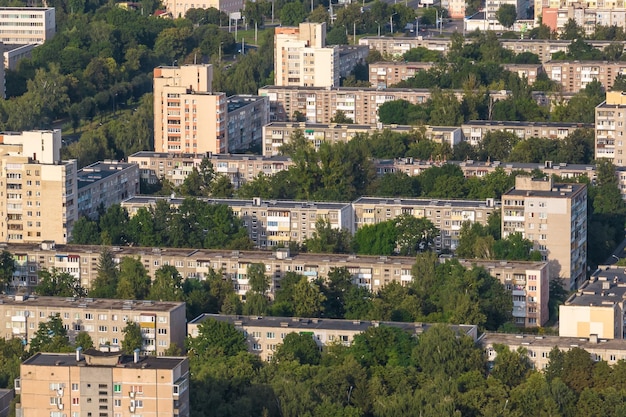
column 301, row 57
column 162, row 323
column 188, row 116
column 39, row 198
column 610, row 128
column 93, row 383
column 27, row 25
column 553, row 217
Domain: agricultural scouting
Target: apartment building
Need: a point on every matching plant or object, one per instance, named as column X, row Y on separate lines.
column 36, row 181
column 553, row 217
column 526, row 281
column 446, row 215
column 93, row 383
column 270, row 223
column 474, row 130
column 13, row 54
column 576, row 75
column 3, row 89
column 597, row 308
column 188, row 116
column 276, row 134
column 528, row 71
column 179, row 8
column 545, row 48
column 396, row 46
column 264, row 334
column 246, row 117
column 301, row 57
column 27, row 25
column 350, row 56
column 162, row 323
column 155, row 166
column 105, row 183
column 319, row 105
column 386, row 74
column 538, row 347
column 610, row 128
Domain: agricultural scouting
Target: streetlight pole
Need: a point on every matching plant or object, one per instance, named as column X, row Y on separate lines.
column 378, row 27
column 220, row 53
column 391, row 22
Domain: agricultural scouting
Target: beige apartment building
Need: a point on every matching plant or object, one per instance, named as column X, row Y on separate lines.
column 264, row 334
column 610, row 128
column 178, row 8
column 302, row 59
column 319, row 105
column 39, row 198
column 105, row 183
column 162, row 323
column 188, row 116
column 276, row 134
column 574, row 76
column 93, row 383
column 397, row 46
column 270, row 223
column 388, row 73
column 553, row 217
column 597, row 308
column 27, row 25
column 545, row 48
column 447, row 215
column 528, row 71
column 474, row 130
column 526, row 281
column 538, row 347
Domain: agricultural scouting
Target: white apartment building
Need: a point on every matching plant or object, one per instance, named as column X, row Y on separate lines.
column 27, row 25
column 301, row 57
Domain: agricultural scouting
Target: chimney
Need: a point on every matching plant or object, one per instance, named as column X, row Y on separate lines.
column 78, row 354
column 136, row 355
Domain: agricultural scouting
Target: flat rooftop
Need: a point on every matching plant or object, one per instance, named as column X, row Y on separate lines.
column 100, row 170
column 557, row 191
column 124, row 361
column 421, row 202
column 238, row 101
column 304, row 324
column 526, row 124
column 89, row 303
column 549, row 342
column 209, row 155
column 284, row 204
column 606, row 287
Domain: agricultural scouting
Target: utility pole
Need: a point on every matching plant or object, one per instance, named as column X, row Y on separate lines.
column 354, row 32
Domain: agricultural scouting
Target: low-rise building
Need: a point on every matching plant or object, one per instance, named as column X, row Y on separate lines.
column 447, row 215
column 597, row 308
column 162, row 323
column 474, row 130
column 574, row 76
column 93, row 383
column 264, row 334
column 246, row 117
column 27, row 25
column 270, row 223
column 105, row 183
column 388, row 73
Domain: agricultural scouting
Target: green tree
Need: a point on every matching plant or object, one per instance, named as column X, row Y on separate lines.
column 307, row 299
column 105, row 284
column 376, row 239
column 510, row 367
column 85, row 232
column 7, row 267
column 337, row 36
column 292, row 14
column 327, row 239
column 83, row 340
column 217, row 338
column 506, row 15
column 258, row 281
column 298, row 347
column 50, row 336
column 60, row 284
column 340, row 117
column 132, row 338
column 134, row 282
column 414, row 234
column 167, row 285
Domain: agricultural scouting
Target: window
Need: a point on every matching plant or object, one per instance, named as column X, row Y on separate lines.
column 88, row 316
column 54, row 400
column 74, row 387
column 271, row 335
column 256, row 346
column 102, row 317
column 75, row 400
column 102, row 328
column 117, row 402
column 117, row 387
column 162, row 331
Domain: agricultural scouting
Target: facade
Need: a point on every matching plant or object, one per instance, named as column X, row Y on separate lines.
column 6, row 396
column 396, row 46
column 447, row 215
column 544, row 48
column 302, row 59
column 576, row 75
column 155, row 166
column 264, row 334
column 105, row 183
column 319, row 105
column 188, row 116
column 538, row 347
column 474, row 130
column 610, row 128
column 39, row 198
column 13, row 54
column 276, row 134
column 529, row 71
column 350, row 56
column 3, row 89
column 524, row 279
column 103, row 384
column 271, row 223
column 553, row 217
column 162, row 323
column 178, row 8
column 246, row 117
column 387, row 74
column 27, row 25
column 598, row 306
